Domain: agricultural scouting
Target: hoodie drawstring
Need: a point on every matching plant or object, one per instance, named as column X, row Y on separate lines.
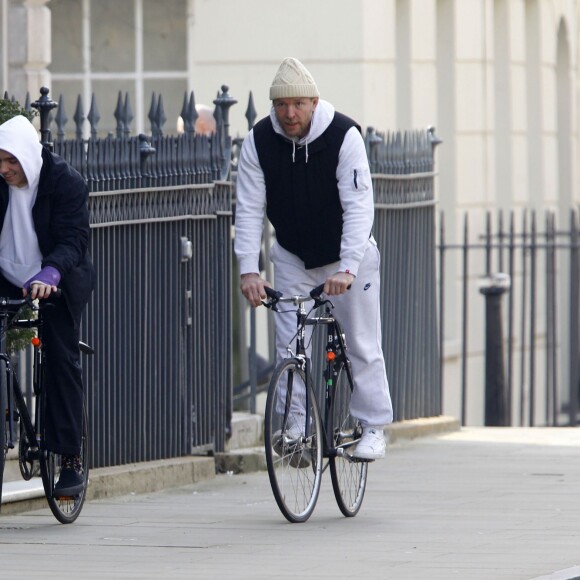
column 294, row 150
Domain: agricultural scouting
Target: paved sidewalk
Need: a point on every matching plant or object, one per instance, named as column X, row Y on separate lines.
column 476, row 504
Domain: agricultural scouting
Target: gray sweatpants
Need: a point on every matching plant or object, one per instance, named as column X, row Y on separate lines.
column 358, row 311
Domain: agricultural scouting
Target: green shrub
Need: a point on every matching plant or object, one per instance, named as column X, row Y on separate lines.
column 9, row 109
column 19, row 338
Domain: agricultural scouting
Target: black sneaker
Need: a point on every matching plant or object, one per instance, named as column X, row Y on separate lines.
column 70, row 482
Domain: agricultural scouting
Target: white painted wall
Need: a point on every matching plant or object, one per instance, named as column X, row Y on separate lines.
column 497, row 78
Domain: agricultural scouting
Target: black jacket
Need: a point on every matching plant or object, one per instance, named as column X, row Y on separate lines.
column 61, row 221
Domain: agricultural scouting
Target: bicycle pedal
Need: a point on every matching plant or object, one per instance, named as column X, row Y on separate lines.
column 351, row 458
column 32, row 455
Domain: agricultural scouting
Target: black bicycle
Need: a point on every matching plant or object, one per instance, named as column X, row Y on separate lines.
column 297, row 441
column 24, row 426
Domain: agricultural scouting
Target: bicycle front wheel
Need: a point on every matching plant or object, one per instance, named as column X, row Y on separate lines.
column 65, row 509
column 348, row 474
column 293, row 440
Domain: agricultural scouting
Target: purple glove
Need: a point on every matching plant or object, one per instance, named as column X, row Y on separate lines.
column 48, row 275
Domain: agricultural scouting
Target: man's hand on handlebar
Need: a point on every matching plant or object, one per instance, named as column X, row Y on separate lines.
column 252, row 286
column 42, row 284
column 338, row 283
column 39, row 290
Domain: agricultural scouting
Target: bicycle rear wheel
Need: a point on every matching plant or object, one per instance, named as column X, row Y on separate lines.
column 65, row 509
column 348, row 474
column 293, row 440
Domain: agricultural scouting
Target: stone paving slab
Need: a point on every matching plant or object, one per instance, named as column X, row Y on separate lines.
column 474, row 504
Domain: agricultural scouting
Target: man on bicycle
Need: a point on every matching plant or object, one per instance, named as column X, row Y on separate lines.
column 306, row 166
column 44, row 236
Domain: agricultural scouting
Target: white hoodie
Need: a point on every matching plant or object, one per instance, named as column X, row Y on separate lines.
column 354, row 187
column 20, row 256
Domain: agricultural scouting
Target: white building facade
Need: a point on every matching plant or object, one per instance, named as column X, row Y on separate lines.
column 497, row 78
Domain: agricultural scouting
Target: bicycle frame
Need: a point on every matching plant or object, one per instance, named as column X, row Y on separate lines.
column 299, row 443
column 23, row 409
column 32, row 450
column 15, row 397
column 336, row 359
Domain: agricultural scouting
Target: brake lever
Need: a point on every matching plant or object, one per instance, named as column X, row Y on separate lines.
column 316, row 294
column 43, row 302
column 274, row 296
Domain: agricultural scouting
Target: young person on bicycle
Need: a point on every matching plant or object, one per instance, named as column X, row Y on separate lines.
column 44, row 236
column 306, row 166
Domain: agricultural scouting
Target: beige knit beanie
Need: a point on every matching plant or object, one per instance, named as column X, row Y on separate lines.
column 293, row 80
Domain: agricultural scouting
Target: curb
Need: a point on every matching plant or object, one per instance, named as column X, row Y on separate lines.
column 245, row 454
column 425, row 427
column 251, row 459
column 107, row 482
column 149, row 476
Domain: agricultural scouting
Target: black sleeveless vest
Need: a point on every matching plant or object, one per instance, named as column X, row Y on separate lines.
column 302, row 200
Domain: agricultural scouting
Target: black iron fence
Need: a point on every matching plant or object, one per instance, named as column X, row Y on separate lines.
column 161, row 318
column 124, row 161
column 403, row 181
column 526, row 363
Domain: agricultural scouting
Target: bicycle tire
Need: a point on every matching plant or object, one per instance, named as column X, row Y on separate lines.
column 294, row 463
column 65, row 509
column 4, row 426
column 348, row 475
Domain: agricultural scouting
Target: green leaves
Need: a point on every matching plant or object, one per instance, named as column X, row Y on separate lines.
column 9, row 109
column 19, row 338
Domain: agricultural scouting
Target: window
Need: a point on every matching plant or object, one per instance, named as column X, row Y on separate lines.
column 102, row 47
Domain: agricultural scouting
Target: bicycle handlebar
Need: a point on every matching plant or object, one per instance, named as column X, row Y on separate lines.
column 275, row 297
column 10, row 305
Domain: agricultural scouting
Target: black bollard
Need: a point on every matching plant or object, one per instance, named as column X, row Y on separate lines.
column 496, row 396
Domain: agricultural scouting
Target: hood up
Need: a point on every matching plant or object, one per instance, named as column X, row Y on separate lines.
column 20, row 256
column 19, row 138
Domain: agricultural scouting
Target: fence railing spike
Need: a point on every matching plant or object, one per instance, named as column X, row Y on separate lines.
column 94, row 116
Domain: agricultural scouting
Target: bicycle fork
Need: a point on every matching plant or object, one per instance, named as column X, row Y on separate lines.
column 9, row 411
column 336, row 362
column 25, row 420
column 18, row 409
column 290, row 393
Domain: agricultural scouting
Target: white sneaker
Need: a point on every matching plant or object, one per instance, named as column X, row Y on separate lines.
column 372, row 444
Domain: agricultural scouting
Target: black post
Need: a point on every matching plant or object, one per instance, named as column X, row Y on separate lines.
column 223, row 102
column 44, row 105
column 145, row 151
column 496, row 403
